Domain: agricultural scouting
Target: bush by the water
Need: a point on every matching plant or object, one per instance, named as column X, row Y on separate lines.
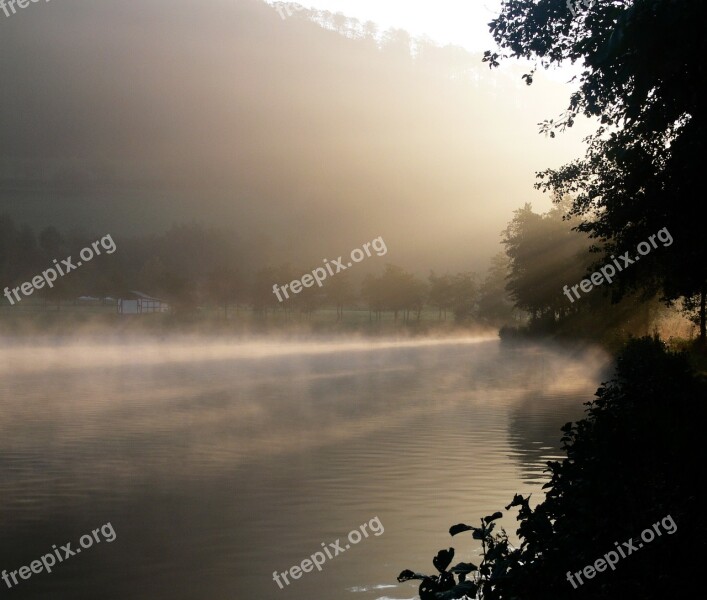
column 636, row 457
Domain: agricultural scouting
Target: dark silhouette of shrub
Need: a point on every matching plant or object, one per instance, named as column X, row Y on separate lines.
column 635, row 458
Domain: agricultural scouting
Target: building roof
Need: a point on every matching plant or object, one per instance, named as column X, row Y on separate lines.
column 145, row 296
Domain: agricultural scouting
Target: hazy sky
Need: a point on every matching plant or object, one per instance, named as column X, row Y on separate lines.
column 125, row 117
column 459, row 22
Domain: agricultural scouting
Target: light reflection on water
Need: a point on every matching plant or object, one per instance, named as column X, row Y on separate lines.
column 220, row 463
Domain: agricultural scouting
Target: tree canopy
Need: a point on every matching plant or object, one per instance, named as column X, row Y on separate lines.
column 642, row 61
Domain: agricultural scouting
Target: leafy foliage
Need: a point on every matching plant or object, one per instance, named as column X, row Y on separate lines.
column 544, row 256
column 628, row 465
column 642, row 66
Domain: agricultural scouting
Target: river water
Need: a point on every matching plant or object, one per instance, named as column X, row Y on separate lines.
column 218, row 463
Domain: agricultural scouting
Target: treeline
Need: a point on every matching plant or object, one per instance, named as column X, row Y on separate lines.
column 462, row 297
column 191, row 266
column 544, row 255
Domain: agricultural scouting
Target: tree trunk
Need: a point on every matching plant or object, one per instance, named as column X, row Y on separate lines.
column 703, row 322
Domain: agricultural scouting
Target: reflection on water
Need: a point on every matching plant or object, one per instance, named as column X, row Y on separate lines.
column 219, row 463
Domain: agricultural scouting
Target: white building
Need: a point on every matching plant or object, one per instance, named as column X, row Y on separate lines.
column 138, row 303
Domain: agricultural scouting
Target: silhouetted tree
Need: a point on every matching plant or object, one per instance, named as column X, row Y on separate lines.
column 545, row 255
column 261, row 291
column 464, row 292
column 338, row 291
column 642, row 64
column 372, row 291
column 225, row 286
column 395, row 290
column 441, row 293
column 495, row 307
column 8, row 248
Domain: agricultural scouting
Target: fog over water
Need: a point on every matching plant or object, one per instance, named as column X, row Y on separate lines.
column 342, row 234
column 218, row 463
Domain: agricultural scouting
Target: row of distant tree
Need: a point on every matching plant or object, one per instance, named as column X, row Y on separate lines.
column 192, row 266
column 545, row 253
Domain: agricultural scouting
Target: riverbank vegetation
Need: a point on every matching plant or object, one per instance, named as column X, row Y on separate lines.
column 204, row 277
column 637, row 456
column 633, row 460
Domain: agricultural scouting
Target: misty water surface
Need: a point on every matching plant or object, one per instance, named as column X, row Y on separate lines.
column 218, row 463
